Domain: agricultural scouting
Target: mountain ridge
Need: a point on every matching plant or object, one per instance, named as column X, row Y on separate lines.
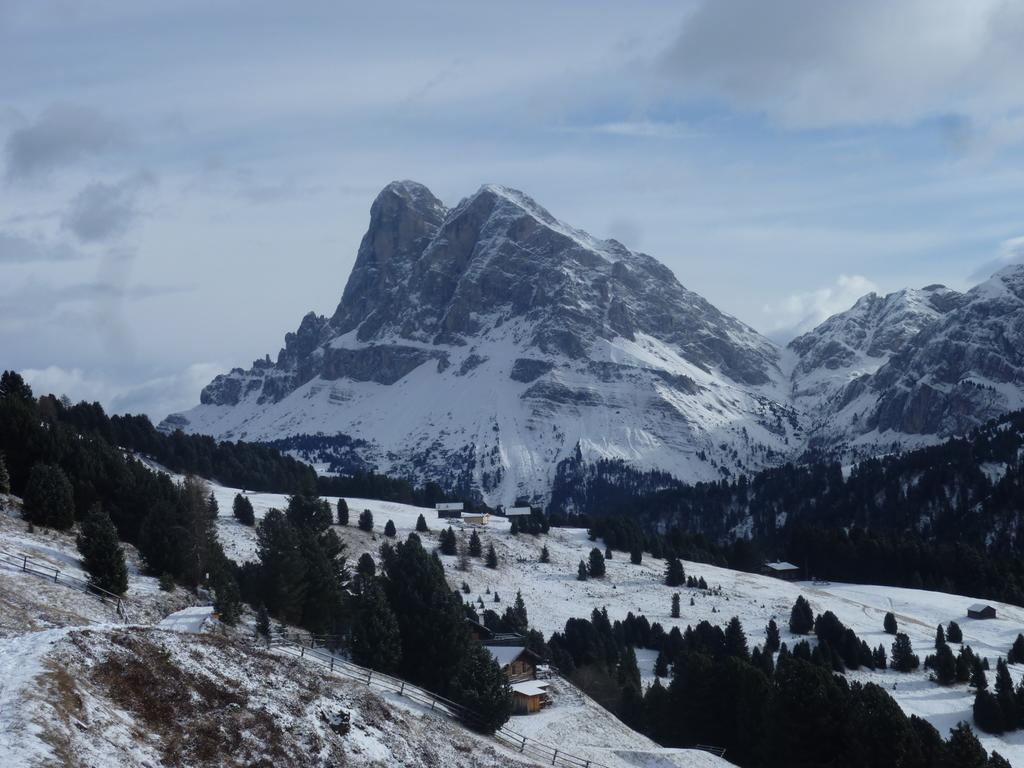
column 485, row 344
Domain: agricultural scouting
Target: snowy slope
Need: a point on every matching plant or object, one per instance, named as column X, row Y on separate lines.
column 481, row 345
column 148, row 697
column 553, row 595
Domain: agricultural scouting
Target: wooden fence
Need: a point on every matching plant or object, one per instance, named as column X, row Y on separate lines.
column 29, row 565
column 517, row 742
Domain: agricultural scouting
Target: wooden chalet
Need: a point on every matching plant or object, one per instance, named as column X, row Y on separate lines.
column 517, row 662
column 782, row 570
column 981, row 611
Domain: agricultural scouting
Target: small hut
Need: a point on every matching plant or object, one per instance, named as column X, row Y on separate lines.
column 476, row 518
column 529, row 696
column 782, row 570
column 981, row 611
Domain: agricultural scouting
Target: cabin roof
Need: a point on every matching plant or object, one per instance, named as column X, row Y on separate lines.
column 530, row 687
column 506, row 654
column 980, row 607
column 781, row 565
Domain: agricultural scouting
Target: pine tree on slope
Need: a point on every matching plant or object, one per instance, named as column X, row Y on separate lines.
column 101, row 552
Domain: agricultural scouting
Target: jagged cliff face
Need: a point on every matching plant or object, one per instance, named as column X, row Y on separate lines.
column 912, row 367
column 481, row 345
column 485, row 343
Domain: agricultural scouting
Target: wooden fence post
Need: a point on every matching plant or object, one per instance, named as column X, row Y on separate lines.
column 332, row 664
column 24, row 562
column 555, row 757
column 523, row 747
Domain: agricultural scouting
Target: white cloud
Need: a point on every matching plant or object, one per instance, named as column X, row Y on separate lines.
column 156, row 396
column 806, row 63
column 1010, row 251
column 800, row 312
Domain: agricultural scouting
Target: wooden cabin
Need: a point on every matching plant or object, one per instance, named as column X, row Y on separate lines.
column 476, row 519
column 981, row 611
column 782, row 570
column 479, row 632
column 517, row 662
column 529, row 696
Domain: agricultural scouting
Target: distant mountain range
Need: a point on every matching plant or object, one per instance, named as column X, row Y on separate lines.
column 483, row 345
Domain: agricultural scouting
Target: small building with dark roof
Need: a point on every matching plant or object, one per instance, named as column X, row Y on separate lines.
column 981, row 611
column 782, row 570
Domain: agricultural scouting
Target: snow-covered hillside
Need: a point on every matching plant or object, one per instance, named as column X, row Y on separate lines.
column 553, row 595
column 80, row 687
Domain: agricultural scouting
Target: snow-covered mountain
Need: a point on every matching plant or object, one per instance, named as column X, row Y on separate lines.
column 483, row 344
column 912, row 367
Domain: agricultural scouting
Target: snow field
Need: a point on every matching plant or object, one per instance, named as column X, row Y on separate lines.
column 553, row 595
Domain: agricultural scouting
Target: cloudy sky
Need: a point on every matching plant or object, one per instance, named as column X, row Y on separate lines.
column 180, row 184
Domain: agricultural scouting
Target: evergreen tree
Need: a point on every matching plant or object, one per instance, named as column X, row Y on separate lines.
column 212, row 507
column 545, row 556
column 629, row 672
column 242, row 509
column 449, row 544
column 631, row 708
column 953, row 633
column 661, row 664
column 366, row 520
column 801, row 617
column 282, row 567
column 227, row 598
column 48, row 498
column 5, row 478
column 475, row 545
column 516, row 618
column 1016, row 654
column 879, row 658
column 342, row 512
column 945, row 666
column 263, row 621
column 996, row 760
column 675, row 576
column 376, row 641
column 596, row 568
column 309, row 512
column 101, row 552
column 964, row 749
column 636, row 555
column 675, row 605
column 481, row 687
column 492, row 557
column 940, row 637
column 13, row 386
column 365, row 567
column 772, row 637
column 736, row 639
column 389, row 529
column 608, row 553
column 581, row 572
column 979, row 680
column 421, row 524
column 889, row 625
column 431, row 617
column 903, row 658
